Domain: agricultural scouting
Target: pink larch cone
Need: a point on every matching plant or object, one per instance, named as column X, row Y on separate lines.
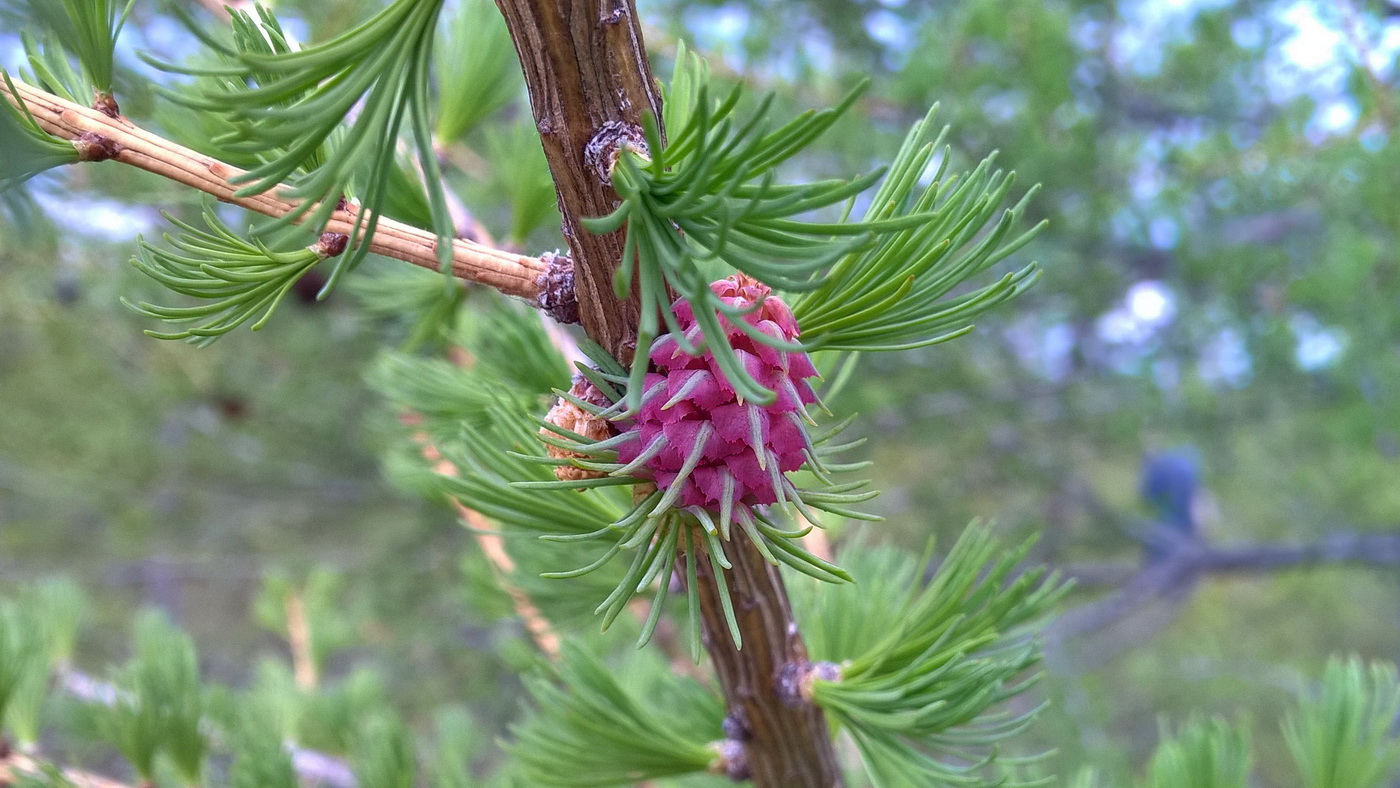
column 694, row 431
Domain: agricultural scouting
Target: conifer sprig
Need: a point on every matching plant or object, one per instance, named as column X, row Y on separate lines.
column 706, row 203
column 84, row 29
column 239, row 279
column 590, row 727
column 295, row 103
column 29, row 150
column 476, row 67
column 922, row 667
column 1342, row 735
column 1204, row 753
column 893, row 294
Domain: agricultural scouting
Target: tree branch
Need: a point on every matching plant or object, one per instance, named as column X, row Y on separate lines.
column 787, row 742
column 590, row 85
column 1177, row 573
column 512, row 274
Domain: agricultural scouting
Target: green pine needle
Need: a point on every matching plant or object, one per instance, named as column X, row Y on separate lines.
column 238, row 279
column 706, row 203
column 597, row 726
column 383, row 753
column 158, row 706
column 893, row 295
column 476, row 66
column 924, row 667
column 291, row 106
column 84, row 29
column 29, row 150
column 1203, row 754
column 1342, row 735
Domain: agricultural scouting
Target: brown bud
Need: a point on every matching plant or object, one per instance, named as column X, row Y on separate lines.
column 95, row 147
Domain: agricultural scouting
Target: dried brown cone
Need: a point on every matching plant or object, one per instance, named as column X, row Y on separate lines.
column 568, row 416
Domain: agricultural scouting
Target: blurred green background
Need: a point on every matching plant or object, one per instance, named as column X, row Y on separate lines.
column 1222, row 278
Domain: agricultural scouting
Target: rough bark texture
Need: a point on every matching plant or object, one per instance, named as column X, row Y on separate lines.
column 590, row 85
column 788, row 744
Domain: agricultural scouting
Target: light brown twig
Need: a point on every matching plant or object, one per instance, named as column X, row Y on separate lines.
column 512, row 274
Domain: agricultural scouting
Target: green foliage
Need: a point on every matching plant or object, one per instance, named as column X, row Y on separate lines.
column 238, row 278
column 1203, row 754
column 383, row 752
column 157, row 707
column 922, row 666
column 1342, row 733
column 29, row 150
column 330, row 719
column 476, row 69
column 591, row 727
column 457, row 742
column 422, row 306
column 887, row 296
column 260, row 757
column 85, row 29
column 320, row 597
column 707, row 197
column 293, row 103
column 520, row 172
column 693, row 203
column 21, row 658
column 45, row 624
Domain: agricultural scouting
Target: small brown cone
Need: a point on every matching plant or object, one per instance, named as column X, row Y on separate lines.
column 566, row 415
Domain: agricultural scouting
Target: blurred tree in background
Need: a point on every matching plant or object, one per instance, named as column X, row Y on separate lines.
column 1221, row 274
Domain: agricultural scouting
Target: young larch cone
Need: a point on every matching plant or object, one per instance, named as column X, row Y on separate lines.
column 696, row 433
column 566, row 415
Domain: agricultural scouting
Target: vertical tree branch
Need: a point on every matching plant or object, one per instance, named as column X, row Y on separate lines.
column 786, row 739
column 590, row 85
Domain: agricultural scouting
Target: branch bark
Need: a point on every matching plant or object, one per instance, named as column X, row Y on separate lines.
column 787, row 740
column 512, row 274
column 590, row 85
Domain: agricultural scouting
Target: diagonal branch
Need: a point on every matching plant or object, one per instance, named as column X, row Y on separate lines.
column 120, row 140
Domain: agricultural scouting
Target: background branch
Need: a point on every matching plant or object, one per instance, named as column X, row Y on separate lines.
column 1171, row 579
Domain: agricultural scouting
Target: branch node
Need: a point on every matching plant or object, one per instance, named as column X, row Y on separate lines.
column 731, row 760
column 557, row 297
column 106, row 104
column 795, row 680
column 95, row 147
column 608, row 143
column 330, row 245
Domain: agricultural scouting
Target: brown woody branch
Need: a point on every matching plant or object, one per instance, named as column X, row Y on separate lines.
column 590, row 86
column 119, row 140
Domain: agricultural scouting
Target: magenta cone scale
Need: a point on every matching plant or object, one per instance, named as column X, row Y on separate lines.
column 703, row 445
